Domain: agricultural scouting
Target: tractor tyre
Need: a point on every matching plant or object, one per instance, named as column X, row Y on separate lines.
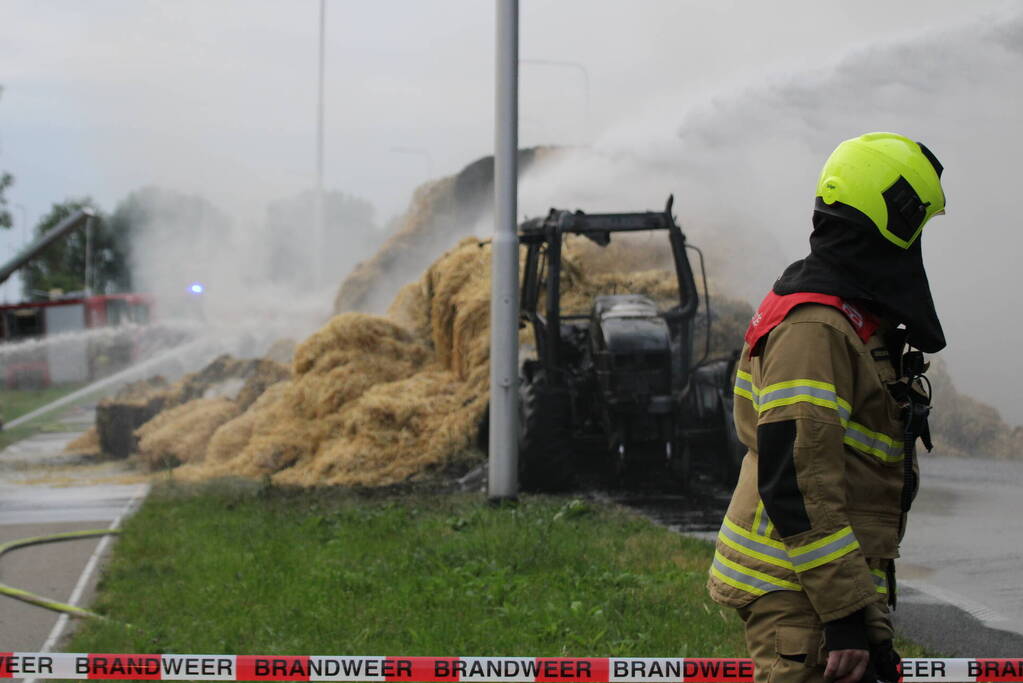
column 546, row 456
column 732, row 450
column 681, row 465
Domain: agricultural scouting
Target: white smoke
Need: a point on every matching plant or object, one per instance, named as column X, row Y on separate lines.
column 743, row 166
column 87, row 355
column 252, row 278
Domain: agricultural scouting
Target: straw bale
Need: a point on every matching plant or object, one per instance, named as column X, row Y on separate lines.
column 270, row 436
column 396, row 431
column 140, row 391
column 405, row 428
column 332, row 369
column 371, row 403
column 131, row 407
column 355, row 332
column 231, row 437
column 180, row 434
column 440, row 211
column 135, row 404
column 86, row 443
column 265, row 439
column 410, row 310
column 458, row 294
column 626, row 253
column 265, row 373
column 198, row 384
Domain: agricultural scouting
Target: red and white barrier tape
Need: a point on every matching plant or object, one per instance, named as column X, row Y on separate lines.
column 44, row 665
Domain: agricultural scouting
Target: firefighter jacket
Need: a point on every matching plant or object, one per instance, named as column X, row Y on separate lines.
column 817, row 505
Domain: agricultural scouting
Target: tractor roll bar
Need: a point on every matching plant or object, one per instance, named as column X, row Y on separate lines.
column 547, row 233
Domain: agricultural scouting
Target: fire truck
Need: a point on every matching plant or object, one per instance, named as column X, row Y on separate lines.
column 71, row 313
column 66, row 357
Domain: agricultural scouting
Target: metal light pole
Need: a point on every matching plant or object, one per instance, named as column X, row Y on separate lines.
column 89, row 223
column 25, row 232
column 318, row 222
column 504, row 301
column 582, row 71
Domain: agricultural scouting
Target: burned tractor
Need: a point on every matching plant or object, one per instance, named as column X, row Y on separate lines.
column 614, row 395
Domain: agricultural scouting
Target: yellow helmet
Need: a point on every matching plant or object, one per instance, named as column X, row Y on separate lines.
column 893, row 181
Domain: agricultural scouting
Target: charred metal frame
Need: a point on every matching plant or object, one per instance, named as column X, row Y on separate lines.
column 543, row 238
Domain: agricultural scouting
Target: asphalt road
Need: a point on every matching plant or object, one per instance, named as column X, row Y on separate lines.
column 961, row 571
column 44, row 491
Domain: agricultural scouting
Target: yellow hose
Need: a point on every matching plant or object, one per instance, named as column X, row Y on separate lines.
column 39, row 600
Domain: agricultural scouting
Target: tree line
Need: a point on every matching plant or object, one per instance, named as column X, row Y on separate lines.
column 112, row 237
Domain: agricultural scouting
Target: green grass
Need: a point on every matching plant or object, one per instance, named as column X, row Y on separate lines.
column 15, row 403
column 239, row 568
column 9, row 436
column 243, row 569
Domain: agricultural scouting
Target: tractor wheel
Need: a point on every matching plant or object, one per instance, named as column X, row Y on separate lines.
column 681, row 465
column 546, row 457
column 732, row 450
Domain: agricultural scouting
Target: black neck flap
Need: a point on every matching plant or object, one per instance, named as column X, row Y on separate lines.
column 850, row 258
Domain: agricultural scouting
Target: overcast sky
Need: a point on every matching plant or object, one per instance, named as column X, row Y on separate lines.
column 218, row 98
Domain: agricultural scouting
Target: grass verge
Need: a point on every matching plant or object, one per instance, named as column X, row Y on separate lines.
column 236, row 568
column 15, row 403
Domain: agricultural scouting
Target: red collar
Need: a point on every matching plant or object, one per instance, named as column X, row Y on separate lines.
column 774, row 308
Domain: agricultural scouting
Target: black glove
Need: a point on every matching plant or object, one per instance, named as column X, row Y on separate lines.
column 884, row 663
column 850, row 633
column 847, row 633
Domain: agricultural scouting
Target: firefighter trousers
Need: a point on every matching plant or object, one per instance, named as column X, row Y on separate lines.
column 785, row 638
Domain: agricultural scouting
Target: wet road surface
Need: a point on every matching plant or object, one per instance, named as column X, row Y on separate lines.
column 964, row 547
column 45, row 491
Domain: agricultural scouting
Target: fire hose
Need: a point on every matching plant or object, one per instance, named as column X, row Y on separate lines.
column 38, row 600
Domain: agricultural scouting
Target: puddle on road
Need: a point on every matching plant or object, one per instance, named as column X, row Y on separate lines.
column 41, row 460
column 69, row 469
column 907, row 570
column 82, row 475
column 700, row 510
column 941, row 501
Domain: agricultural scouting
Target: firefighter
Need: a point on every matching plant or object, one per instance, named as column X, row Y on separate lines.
column 830, row 407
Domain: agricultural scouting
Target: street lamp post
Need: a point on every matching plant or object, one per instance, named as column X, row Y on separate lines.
column 318, row 218
column 25, row 234
column 504, row 301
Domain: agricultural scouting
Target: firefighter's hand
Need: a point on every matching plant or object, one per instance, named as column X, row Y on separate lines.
column 846, row 666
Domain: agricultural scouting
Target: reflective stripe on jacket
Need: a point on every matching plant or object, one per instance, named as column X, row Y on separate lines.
column 817, row 504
